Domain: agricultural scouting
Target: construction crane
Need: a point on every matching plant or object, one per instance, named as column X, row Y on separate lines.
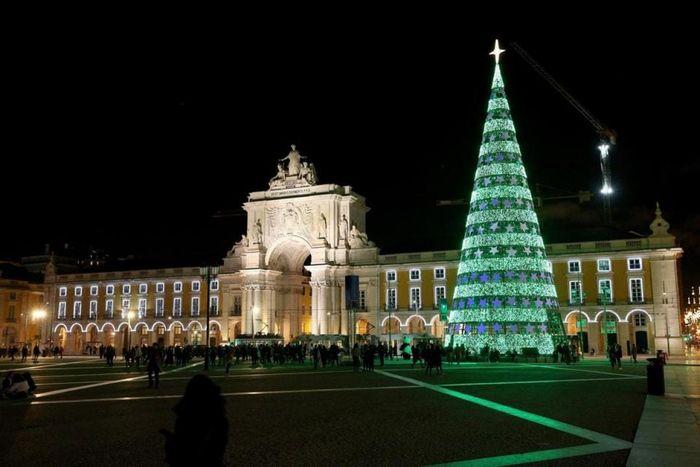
column 608, row 137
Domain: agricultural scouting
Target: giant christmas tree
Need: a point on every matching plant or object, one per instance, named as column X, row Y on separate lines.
column 505, row 296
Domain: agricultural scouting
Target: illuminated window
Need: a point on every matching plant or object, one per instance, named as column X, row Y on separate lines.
column 160, row 330
column 440, row 293
column 177, row 330
column 160, row 306
column 214, row 305
column 604, row 265
column 415, row 298
column 574, row 266
column 391, row 299
column 634, row 264
column 636, row 290
column 415, row 274
column 195, row 306
column 605, row 290
column 62, row 310
column 575, row 292
column 109, row 308
column 93, row 309
column 177, row 306
column 77, row 309
column 142, row 307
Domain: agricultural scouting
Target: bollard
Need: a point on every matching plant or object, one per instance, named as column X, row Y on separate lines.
column 655, row 377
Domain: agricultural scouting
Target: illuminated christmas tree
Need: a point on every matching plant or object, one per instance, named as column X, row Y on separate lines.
column 505, row 297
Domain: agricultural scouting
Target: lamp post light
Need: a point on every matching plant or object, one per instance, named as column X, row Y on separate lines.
column 39, row 315
column 129, row 316
column 208, row 272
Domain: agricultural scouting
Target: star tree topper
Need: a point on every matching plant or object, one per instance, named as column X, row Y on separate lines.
column 497, row 51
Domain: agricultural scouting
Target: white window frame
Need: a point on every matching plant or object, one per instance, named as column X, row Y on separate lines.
column 574, row 261
column 437, row 296
column 63, row 291
column 143, row 306
column 109, row 289
column 78, row 291
column 143, row 288
column 214, row 285
column 571, row 292
column 641, row 289
column 126, row 289
column 160, row 307
column 92, row 312
column 126, row 304
column 94, row 290
column 410, row 274
column 77, row 309
column 61, row 310
column 600, row 289
column 389, row 298
column 444, row 273
column 177, row 307
column 196, row 286
column 109, row 308
column 177, row 287
column 194, row 306
column 609, row 265
column 160, row 287
column 629, row 263
column 418, row 303
column 214, row 304
column 388, row 277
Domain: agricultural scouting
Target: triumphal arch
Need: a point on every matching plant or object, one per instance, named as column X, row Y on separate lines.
column 286, row 275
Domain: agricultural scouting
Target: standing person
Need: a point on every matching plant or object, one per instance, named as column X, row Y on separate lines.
column 381, row 351
column 229, row 357
column 634, row 353
column 153, row 366
column 355, row 357
column 618, row 356
column 36, row 353
column 25, row 352
column 611, row 355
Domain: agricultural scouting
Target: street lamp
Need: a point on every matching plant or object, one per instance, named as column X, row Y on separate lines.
column 39, row 315
column 129, row 316
column 207, row 272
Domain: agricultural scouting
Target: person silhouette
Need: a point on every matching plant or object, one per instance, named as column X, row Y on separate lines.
column 201, row 426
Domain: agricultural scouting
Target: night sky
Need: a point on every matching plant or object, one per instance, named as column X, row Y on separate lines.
column 146, row 141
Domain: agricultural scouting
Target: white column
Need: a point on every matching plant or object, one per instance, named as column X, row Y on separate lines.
column 257, row 310
column 314, row 306
column 323, row 308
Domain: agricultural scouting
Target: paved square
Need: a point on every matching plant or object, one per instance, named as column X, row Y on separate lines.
column 88, row 413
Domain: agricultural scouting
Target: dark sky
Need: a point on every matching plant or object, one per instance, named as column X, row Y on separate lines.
column 132, row 138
